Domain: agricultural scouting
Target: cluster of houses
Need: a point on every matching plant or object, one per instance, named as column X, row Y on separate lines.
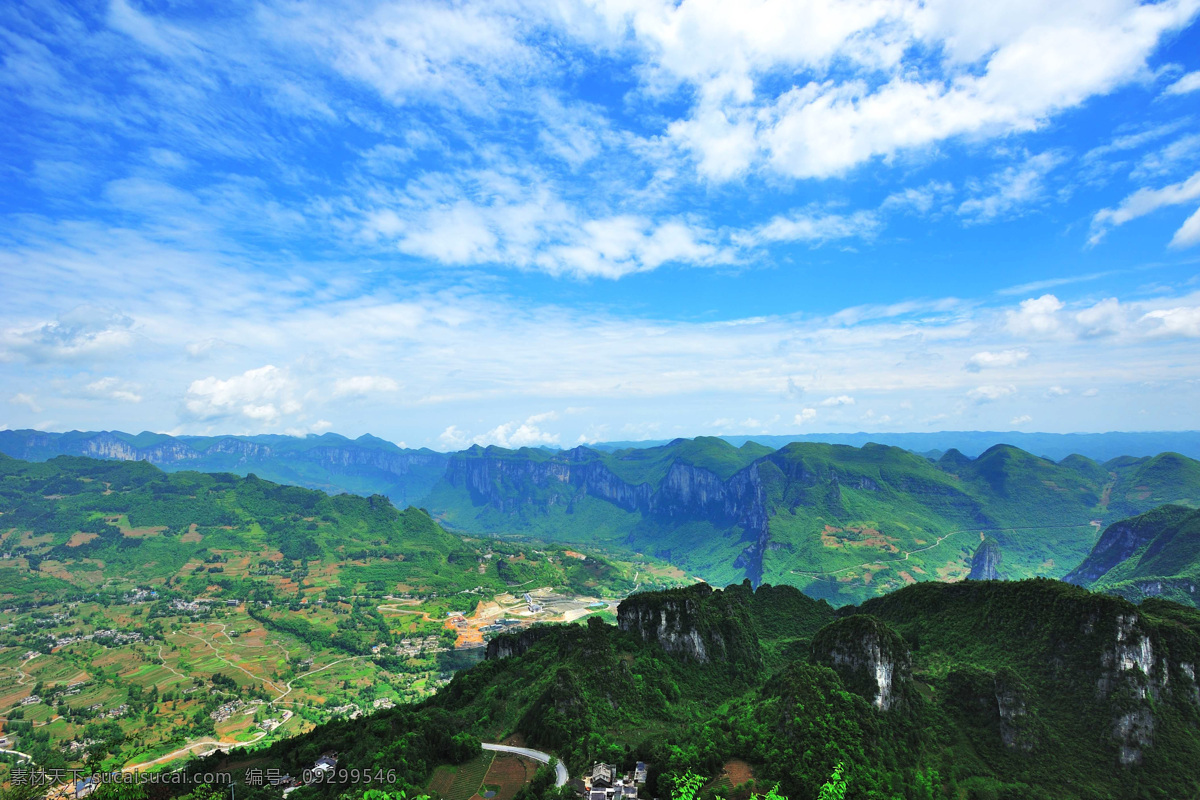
column 415, row 647
column 268, row 725
column 227, row 710
column 107, row 638
column 257, row 777
column 604, row 782
column 349, row 710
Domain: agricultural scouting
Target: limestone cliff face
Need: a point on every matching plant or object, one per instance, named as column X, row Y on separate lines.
column 1139, row 670
column 508, row 484
column 985, row 562
column 697, row 624
column 1123, row 540
column 870, row 657
column 517, row 643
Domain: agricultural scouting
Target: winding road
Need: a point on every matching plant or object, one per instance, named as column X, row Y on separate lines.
column 560, row 772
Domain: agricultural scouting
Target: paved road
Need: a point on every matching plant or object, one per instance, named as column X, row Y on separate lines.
column 561, row 776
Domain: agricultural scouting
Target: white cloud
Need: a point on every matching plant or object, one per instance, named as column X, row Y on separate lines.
column 986, row 394
column 362, row 385
column 812, row 226
column 1105, row 318
column 806, row 415
column 260, row 395
column 1035, row 316
column 839, row 400
column 1001, row 71
column 1174, row 321
column 510, row 435
column 85, row 332
column 1189, row 232
column 1091, row 392
column 1021, row 420
column 27, row 400
column 1142, row 202
column 1057, row 391
column 1004, row 358
column 115, row 389
column 1010, row 190
column 918, row 200
column 1185, row 85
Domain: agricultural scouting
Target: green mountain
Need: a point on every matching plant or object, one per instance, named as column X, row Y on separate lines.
column 366, row 465
column 840, row 522
column 982, row 689
column 1156, row 554
column 72, row 525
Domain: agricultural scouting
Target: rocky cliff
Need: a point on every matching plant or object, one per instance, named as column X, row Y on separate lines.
column 517, row 643
column 985, row 561
column 697, row 624
column 871, row 658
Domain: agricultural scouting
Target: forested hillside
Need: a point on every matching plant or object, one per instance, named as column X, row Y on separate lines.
column 840, row 522
column 1032, row 689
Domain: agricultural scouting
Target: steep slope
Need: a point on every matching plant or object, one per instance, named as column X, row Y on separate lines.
column 70, row 524
column 1144, row 483
column 1153, row 554
column 366, row 465
column 1031, row 689
column 841, row 522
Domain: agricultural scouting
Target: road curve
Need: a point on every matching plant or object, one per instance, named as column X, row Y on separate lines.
column 561, row 776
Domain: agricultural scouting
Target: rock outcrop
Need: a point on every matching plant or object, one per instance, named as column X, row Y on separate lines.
column 985, row 561
column 697, row 624
column 871, row 658
column 517, row 643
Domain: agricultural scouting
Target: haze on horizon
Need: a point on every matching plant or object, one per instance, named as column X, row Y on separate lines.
column 524, row 223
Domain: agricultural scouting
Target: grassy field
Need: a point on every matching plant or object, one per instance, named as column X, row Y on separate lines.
column 464, row 781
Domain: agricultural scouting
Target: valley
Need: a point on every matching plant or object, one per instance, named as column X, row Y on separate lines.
column 157, row 620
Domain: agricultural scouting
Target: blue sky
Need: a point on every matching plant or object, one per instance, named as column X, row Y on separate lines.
column 548, row 223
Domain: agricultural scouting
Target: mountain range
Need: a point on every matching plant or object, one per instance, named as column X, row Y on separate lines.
column 841, row 522
column 982, row 689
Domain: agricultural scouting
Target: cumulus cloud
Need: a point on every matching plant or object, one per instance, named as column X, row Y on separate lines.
column 986, row 394
column 1021, row 420
column 1000, row 72
column 114, row 389
column 262, row 395
column 1004, row 358
column 1035, row 316
column 508, row 435
column 806, row 415
column 362, row 385
column 1057, row 391
column 838, row 400
column 1174, row 322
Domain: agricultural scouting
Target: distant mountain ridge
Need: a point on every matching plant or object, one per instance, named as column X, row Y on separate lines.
column 366, row 465
column 842, row 523
column 1056, row 446
column 834, row 520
